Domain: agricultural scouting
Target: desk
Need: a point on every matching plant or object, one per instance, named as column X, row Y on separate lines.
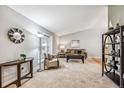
column 19, row 77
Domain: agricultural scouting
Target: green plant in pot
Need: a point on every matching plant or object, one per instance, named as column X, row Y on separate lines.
column 23, row 56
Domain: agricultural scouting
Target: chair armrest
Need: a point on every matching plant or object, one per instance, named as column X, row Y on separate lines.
column 85, row 54
column 54, row 56
column 46, row 61
column 67, row 53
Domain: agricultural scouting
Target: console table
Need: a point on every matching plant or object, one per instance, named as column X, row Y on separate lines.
column 18, row 70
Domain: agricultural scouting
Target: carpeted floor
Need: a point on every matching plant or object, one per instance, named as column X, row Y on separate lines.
column 71, row 75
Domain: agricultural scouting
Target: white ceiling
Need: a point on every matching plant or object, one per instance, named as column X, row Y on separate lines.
column 63, row 19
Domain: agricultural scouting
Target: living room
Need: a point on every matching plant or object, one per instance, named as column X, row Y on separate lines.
column 61, row 43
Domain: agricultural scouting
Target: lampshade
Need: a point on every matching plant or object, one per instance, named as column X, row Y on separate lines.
column 44, row 44
column 62, row 46
column 40, row 35
column 110, row 24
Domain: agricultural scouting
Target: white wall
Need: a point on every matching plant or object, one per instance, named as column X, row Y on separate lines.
column 56, row 44
column 10, row 51
column 116, row 14
column 91, row 38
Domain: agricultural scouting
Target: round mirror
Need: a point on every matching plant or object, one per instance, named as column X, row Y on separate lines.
column 16, row 35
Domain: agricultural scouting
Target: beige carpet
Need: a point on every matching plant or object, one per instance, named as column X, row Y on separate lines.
column 71, row 75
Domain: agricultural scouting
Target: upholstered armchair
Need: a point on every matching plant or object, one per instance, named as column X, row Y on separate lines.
column 50, row 61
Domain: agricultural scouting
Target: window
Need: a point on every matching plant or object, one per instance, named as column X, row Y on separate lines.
column 44, row 46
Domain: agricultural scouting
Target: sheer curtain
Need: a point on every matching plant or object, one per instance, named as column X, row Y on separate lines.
column 43, row 48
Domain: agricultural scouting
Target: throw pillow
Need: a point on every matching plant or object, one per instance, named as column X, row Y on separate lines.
column 79, row 51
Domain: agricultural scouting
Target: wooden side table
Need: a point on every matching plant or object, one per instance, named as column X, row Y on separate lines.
column 18, row 64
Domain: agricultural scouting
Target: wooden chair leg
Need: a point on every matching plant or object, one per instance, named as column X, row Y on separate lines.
column 57, row 64
column 83, row 60
column 67, row 59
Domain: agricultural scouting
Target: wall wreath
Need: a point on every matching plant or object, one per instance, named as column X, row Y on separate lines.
column 16, row 35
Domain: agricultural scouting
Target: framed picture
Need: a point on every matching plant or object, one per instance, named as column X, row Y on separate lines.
column 75, row 44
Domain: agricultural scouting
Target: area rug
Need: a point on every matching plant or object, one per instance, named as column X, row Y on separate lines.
column 73, row 74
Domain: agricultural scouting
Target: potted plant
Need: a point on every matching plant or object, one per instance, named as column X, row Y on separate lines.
column 23, row 56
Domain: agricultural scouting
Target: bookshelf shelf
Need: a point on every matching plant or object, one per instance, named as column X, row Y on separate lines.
column 116, row 53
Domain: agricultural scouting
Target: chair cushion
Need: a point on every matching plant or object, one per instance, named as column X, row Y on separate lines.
column 53, row 60
column 79, row 51
column 72, row 52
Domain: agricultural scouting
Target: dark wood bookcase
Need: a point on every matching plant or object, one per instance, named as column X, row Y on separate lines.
column 113, row 55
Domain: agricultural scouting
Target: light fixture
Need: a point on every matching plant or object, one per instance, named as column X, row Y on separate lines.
column 110, row 24
column 62, row 47
column 44, row 44
column 40, row 35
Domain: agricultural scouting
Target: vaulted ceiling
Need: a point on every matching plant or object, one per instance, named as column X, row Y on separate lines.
column 64, row 19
